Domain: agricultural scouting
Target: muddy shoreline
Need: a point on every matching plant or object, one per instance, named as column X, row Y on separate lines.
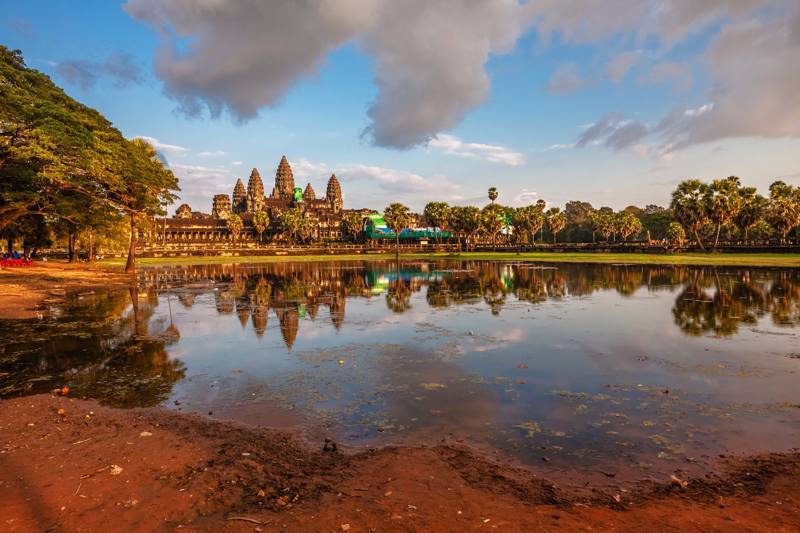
column 69, row 465
column 25, row 290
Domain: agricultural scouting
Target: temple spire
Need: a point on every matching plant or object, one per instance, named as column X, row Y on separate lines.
column 334, row 193
column 284, row 180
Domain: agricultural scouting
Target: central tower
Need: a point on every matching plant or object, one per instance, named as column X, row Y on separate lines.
column 284, row 181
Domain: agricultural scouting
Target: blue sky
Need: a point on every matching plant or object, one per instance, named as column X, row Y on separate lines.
column 415, row 102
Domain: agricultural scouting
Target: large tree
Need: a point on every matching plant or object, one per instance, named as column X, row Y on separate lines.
column 494, row 220
column 689, row 206
column 437, row 214
column 784, row 207
column 353, row 222
column 556, row 221
column 466, row 222
column 751, row 210
column 723, row 202
column 63, row 160
column 628, row 224
column 397, row 218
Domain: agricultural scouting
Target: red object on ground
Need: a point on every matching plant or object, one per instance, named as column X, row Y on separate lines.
column 7, row 263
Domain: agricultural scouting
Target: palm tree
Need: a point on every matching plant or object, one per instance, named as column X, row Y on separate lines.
column 397, row 218
column 675, row 234
column 493, row 220
column 556, row 220
column 235, row 225
column 492, row 194
column 260, row 223
column 784, row 207
column 689, row 206
column 723, row 202
column 352, row 224
column 293, row 222
column 751, row 210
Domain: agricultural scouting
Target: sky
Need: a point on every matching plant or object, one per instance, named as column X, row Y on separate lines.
column 611, row 102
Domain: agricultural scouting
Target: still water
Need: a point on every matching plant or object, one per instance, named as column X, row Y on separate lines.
column 630, row 371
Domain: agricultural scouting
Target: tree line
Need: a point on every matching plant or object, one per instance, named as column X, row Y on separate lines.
column 66, row 171
column 702, row 212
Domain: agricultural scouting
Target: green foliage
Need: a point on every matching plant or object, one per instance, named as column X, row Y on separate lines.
column 689, row 207
column 675, row 235
column 234, row 225
column 64, row 161
column 260, row 222
column 527, row 222
column 556, row 221
column 295, row 223
column 627, row 224
column 784, row 209
column 465, row 221
column 397, row 218
column 353, row 222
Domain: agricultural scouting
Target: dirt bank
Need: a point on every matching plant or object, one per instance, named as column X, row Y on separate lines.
column 90, row 468
column 23, row 290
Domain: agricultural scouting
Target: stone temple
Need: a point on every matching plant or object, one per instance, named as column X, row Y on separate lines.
column 325, row 213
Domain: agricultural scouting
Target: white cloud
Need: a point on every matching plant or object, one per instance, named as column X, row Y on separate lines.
column 236, row 163
column 215, row 153
column 524, row 197
column 679, row 74
column 172, row 149
column 486, row 152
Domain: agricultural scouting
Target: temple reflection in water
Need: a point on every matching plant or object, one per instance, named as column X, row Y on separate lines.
column 708, row 300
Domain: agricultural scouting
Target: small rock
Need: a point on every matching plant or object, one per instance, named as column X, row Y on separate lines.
column 116, row 470
column 145, row 434
column 345, row 527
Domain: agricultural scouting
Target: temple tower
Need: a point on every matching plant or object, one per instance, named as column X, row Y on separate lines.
column 334, row 194
column 284, row 180
column 309, row 194
column 221, row 208
column 255, row 193
column 239, row 197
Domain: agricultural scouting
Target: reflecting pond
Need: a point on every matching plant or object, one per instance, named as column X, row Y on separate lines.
column 630, row 371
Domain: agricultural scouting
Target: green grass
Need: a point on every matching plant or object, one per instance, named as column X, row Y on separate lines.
column 777, row 260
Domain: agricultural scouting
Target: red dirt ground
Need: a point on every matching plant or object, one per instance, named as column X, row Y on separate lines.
column 91, row 468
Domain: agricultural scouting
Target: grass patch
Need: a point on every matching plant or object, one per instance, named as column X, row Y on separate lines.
column 699, row 259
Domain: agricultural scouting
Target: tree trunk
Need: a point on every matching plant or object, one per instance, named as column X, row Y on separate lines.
column 699, row 241
column 716, row 239
column 71, row 238
column 555, row 237
column 130, row 264
column 90, row 258
column 397, row 246
column 10, row 242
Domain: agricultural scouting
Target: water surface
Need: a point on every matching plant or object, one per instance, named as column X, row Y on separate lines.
column 631, row 371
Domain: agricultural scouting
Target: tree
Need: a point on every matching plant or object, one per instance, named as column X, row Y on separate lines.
column 675, row 234
column 492, row 194
column 723, row 202
column 493, row 220
column 438, row 215
column 628, row 224
column 294, row 223
column 235, row 225
column 528, row 220
column 353, row 222
column 604, row 223
column 466, row 221
column 397, row 218
column 784, row 207
column 751, row 210
column 578, row 215
column 260, row 223
column 556, row 221
column 143, row 188
column 689, row 206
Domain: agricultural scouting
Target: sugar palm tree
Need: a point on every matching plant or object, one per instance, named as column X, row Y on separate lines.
column 438, row 215
column 723, row 202
column 751, row 210
column 689, row 206
column 556, row 220
column 352, row 224
column 397, row 218
column 492, row 194
column 235, row 225
column 784, row 207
